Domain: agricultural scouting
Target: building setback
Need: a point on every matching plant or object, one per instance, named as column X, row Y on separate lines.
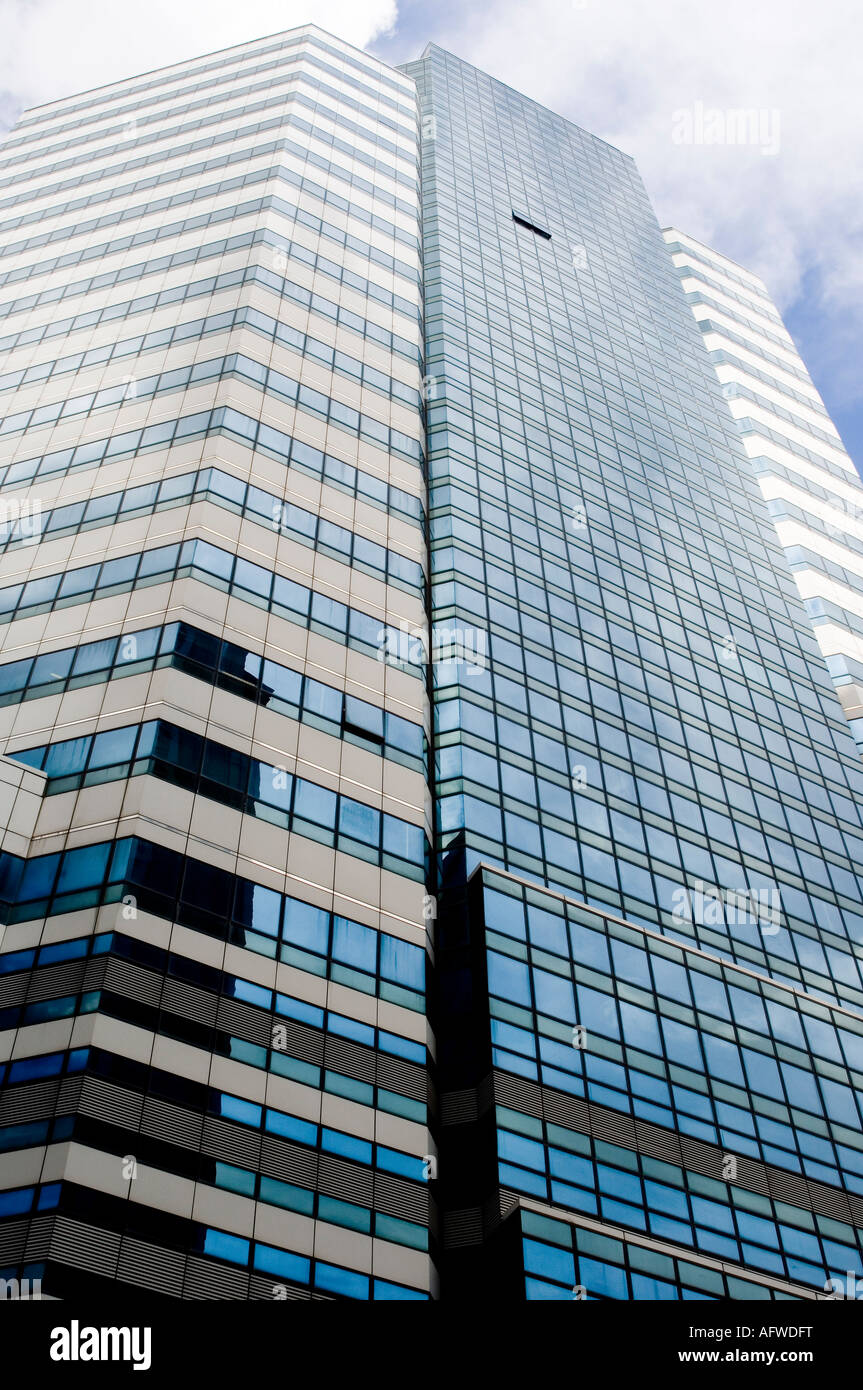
column 389, row 602
column 811, row 487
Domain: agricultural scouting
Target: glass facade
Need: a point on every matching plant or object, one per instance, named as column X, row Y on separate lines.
column 648, row 827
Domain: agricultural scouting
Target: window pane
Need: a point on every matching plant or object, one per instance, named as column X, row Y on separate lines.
column 354, row 944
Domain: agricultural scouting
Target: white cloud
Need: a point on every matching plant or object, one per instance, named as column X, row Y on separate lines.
column 54, row 48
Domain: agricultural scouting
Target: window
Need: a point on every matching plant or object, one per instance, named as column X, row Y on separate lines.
column 531, row 226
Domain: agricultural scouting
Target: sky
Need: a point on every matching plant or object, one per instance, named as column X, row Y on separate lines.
column 787, row 204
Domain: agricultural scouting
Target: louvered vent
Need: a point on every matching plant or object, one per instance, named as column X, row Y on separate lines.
column 658, row 1143
column 83, row 1246
column 567, row 1110
column 189, row 1002
column 302, row 1042
column 458, row 1107
column 206, row 1279
column 395, row 1197
column 19, row 1104
column 173, row 1125
column 69, row 1095
column 289, row 1162
column 115, row 1105
column 243, row 1021
column 13, row 990
column 151, row 1267
column 350, row 1059
column 231, row 1143
column 39, row 1237
column 349, row 1181
column 829, row 1202
column 515, row 1092
column 54, row 981
column 404, row 1077
column 461, row 1228
column 13, row 1236
column 133, row 982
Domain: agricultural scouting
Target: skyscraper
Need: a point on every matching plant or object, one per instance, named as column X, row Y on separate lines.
column 214, row 1000
column 234, row 623
column 811, row 487
column 647, row 803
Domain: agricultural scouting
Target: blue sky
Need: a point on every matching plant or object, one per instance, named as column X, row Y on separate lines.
column 624, row 70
